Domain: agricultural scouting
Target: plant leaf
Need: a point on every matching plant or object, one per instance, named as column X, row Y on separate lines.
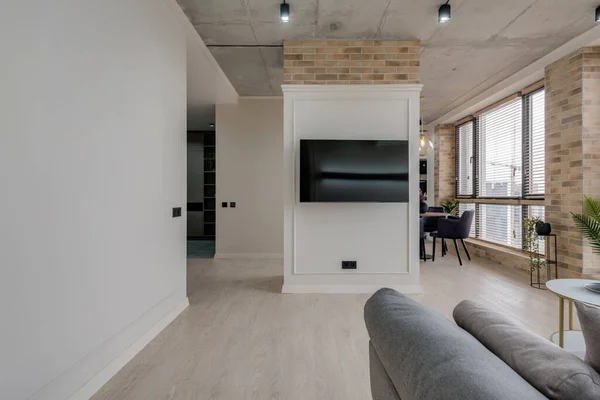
column 590, row 228
column 591, row 208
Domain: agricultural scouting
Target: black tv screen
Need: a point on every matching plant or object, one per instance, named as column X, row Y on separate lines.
column 354, row 171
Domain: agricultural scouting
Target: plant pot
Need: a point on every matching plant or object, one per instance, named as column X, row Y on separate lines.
column 543, row 228
column 423, row 207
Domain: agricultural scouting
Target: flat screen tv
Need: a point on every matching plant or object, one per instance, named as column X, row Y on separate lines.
column 365, row 171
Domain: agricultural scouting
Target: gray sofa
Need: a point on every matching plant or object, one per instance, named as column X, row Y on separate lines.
column 416, row 353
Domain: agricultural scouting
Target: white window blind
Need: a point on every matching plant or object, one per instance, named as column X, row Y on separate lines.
column 500, row 151
column 502, row 224
column 534, row 151
column 462, row 207
column 464, row 159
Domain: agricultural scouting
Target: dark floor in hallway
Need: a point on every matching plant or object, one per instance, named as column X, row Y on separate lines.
column 200, row 248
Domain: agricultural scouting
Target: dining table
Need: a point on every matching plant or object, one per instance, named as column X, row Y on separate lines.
column 435, row 214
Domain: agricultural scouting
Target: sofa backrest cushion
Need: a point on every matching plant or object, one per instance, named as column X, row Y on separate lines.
column 426, row 356
column 589, row 317
column 553, row 371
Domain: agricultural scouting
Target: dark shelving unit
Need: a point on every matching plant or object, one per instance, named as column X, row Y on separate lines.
column 210, row 188
column 423, row 175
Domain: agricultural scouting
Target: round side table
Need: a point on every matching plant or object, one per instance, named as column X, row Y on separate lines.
column 571, row 290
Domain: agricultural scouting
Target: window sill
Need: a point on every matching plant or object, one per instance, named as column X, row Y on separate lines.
column 518, row 202
column 513, row 258
column 496, row 247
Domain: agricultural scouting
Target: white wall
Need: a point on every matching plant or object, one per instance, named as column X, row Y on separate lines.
column 249, row 172
column 382, row 238
column 92, row 150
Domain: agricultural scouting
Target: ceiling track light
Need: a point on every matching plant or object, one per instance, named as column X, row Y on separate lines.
column 445, row 13
column 598, row 14
column 284, row 12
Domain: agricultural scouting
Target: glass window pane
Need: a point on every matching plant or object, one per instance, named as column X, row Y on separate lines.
column 500, row 151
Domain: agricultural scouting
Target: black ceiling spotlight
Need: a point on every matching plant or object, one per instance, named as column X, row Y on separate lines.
column 212, row 125
column 444, row 13
column 284, row 12
column 598, row 14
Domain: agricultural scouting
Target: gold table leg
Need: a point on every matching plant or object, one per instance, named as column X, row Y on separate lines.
column 561, row 322
column 570, row 315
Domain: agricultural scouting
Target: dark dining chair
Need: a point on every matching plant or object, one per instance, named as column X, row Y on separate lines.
column 422, row 236
column 431, row 224
column 454, row 229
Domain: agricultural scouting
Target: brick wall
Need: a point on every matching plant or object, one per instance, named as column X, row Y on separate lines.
column 499, row 255
column 444, row 165
column 591, row 141
column 348, row 62
column 573, row 151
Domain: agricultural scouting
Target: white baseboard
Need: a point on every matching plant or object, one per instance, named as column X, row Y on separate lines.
column 94, row 384
column 88, row 375
column 251, row 256
column 350, row 289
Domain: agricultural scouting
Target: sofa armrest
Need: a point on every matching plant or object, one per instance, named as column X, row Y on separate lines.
column 382, row 387
column 428, row 357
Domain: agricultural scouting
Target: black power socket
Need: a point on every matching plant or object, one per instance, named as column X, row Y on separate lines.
column 349, row 265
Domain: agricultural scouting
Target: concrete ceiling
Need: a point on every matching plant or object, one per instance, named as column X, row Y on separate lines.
column 485, row 42
column 207, row 85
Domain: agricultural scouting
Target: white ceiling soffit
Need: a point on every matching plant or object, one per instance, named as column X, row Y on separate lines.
column 527, row 76
column 207, row 84
column 486, row 41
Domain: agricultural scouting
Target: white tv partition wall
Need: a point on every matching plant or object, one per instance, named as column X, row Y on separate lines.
column 382, row 237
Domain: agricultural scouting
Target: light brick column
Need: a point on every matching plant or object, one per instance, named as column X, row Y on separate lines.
column 311, row 62
column 445, row 164
column 573, row 151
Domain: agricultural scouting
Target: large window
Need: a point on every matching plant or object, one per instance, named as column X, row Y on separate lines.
column 500, row 151
column 500, row 165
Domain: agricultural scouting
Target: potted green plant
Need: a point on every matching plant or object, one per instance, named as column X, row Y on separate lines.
column 450, row 207
column 532, row 244
column 589, row 222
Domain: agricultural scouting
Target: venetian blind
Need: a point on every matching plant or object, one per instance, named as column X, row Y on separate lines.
column 534, row 143
column 502, row 224
column 499, row 151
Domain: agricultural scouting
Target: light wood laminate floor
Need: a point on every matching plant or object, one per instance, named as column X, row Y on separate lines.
column 242, row 339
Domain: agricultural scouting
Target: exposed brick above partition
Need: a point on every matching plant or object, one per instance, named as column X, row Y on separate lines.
column 573, row 151
column 444, row 165
column 351, row 62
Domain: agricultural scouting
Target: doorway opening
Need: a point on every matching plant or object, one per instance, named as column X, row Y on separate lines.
column 201, row 194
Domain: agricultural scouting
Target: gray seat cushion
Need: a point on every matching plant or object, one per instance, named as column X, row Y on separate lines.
column 553, row 371
column 589, row 317
column 428, row 357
